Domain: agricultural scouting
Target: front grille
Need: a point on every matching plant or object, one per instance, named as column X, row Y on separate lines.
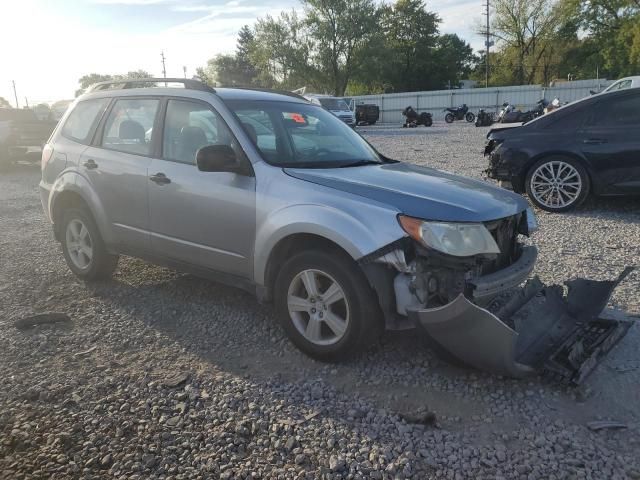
column 505, row 233
column 346, row 118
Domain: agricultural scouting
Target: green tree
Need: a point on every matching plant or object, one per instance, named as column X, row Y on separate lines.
column 524, row 29
column 4, row 103
column 232, row 69
column 454, row 59
column 338, row 34
column 411, row 35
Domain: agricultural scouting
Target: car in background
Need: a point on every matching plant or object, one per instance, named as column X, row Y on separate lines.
column 591, row 146
column 623, row 84
column 22, row 134
column 337, row 106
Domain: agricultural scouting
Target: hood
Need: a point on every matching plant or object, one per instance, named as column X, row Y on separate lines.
column 420, row 191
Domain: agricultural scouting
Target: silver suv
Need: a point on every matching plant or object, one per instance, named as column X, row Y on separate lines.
column 268, row 192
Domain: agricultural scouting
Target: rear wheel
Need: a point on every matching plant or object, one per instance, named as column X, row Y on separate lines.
column 449, row 117
column 557, row 184
column 83, row 247
column 470, row 117
column 326, row 305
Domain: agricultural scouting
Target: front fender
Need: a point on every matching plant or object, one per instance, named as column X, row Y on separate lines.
column 72, row 181
column 374, row 228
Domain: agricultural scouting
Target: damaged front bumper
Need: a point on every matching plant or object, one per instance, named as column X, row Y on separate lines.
column 538, row 329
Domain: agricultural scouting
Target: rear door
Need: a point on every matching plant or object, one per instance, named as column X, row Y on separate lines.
column 204, row 219
column 611, row 142
column 117, row 164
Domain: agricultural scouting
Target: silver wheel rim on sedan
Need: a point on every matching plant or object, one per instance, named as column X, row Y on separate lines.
column 556, row 184
column 79, row 244
column 318, row 307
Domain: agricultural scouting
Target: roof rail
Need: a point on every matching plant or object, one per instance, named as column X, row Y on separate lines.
column 131, row 82
column 271, row 90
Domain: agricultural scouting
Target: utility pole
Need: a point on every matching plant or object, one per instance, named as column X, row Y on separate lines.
column 184, row 69
column 487, row 44
column 164, row 67
column 26, row 101
column 15, row 94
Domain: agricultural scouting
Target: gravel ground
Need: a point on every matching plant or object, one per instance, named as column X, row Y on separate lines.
column 164, row 375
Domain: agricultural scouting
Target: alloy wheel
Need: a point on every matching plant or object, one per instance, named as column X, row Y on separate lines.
column 556, row 184
column 318, row 307
column 79, row 244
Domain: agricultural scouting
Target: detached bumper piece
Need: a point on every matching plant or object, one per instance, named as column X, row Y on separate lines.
column 538, row 329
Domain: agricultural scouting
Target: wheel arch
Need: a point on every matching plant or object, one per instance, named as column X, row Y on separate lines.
column 291, row 245
column 73, row 190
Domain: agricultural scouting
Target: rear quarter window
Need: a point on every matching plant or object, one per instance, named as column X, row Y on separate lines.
column 83, row 118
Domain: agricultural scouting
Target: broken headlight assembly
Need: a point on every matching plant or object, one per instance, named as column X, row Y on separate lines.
column 457, row 239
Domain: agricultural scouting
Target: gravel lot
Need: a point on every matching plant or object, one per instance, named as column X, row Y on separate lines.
column 164, row 375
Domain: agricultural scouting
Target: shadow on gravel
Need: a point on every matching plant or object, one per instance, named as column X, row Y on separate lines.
column 230, row 330
column 609, row 207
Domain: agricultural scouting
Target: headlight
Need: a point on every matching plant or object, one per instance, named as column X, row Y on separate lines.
column 459, row 239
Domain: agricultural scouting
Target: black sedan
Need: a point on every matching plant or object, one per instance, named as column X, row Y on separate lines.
column 588, row 146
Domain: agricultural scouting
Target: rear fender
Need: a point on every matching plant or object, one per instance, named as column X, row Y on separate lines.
column 72, row 181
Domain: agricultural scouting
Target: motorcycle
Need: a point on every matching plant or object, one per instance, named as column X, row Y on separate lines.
column 413, row 119
column 459, row 113
column 552, row 106
column 509, row 114
column 484, row 119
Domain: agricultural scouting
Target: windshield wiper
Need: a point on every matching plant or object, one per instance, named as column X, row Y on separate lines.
column 359, row 163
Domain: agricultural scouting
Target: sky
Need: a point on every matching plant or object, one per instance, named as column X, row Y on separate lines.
column 47, row 45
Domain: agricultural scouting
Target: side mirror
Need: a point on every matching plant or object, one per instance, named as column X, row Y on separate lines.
column 218, row 158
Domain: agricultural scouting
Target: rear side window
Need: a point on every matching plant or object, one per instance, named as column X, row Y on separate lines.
column 130, row 125
column 618, row 112
column 81, row 120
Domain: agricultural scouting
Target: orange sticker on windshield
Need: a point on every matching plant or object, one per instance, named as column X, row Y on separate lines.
column 296, row 117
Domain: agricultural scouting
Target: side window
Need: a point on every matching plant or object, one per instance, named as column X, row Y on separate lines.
column 130, row 125
column 80, row 121
column 624, row 85
column 188, row 127
column 617, row 112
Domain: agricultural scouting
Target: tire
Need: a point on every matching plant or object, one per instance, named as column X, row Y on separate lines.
column 428, row 122
column 372, row 123
column 570, row 192
column 356, row 305
column 425, row 119
column 449, row 117
column 470, row 117
column 80, row 235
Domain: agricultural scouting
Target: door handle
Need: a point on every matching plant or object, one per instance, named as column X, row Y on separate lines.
column 160, row 179
column 595, row 141
column 90, row 164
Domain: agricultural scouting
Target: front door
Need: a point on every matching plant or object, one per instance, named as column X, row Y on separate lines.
column 205, row 219
column 611, row 142
column 117, row 167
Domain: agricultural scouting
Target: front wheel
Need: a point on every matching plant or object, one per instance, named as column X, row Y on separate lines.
column 557, row 184
column 326, row 305
column 83, row 247
column 449, row 117
column 470, row 117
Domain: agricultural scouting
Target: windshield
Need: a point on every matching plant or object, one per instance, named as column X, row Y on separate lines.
column 302, row 135
column 331, row 103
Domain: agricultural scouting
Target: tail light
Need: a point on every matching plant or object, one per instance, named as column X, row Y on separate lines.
column 47, row 152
